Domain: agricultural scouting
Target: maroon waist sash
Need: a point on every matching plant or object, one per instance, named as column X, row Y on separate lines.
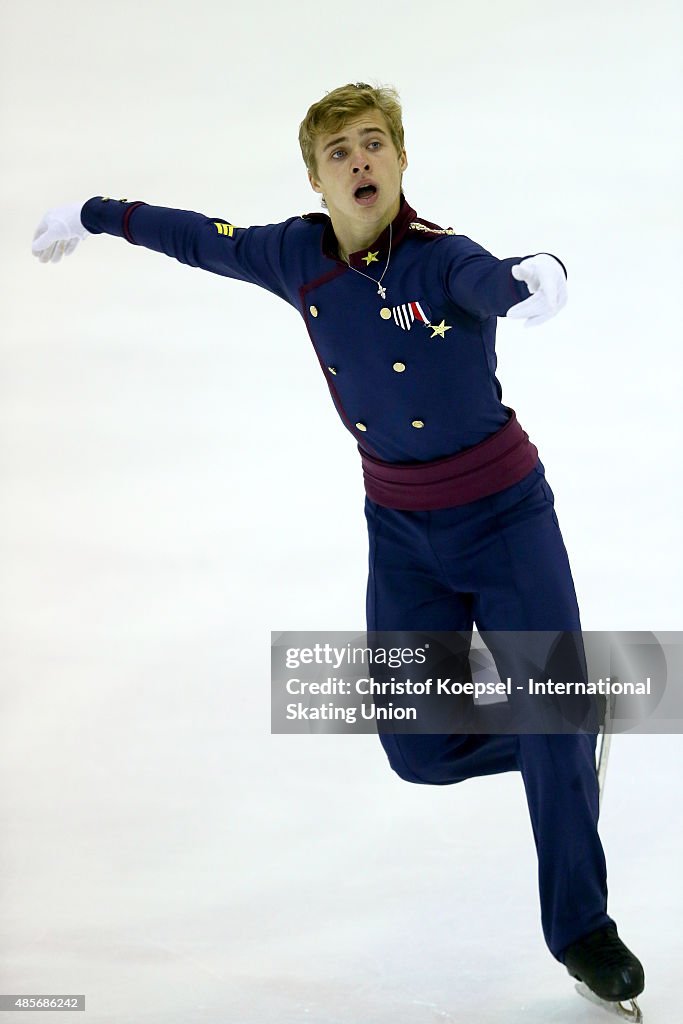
column 495, row 463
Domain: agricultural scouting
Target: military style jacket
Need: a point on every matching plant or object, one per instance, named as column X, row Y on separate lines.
column 410, row 362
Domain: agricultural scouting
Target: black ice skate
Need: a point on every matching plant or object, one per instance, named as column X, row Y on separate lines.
column 608, row 970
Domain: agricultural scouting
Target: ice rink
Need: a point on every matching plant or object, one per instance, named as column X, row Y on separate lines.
column 176, row 484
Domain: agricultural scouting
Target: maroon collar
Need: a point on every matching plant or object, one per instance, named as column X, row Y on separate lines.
column 380, row 246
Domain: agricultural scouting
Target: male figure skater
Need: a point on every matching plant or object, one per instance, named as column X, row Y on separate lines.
column 462, row 529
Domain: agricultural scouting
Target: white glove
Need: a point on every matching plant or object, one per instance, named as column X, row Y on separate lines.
column 58, row 233
column 545, row 278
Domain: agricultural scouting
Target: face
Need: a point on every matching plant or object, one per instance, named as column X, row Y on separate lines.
column 358, row 156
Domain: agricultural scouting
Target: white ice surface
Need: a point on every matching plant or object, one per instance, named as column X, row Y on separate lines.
column 178, row 866
column 161, row 852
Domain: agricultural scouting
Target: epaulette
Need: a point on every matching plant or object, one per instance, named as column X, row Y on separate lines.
column 427, row 228
column 316, row 217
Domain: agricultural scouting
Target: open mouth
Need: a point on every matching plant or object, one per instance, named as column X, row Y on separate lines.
column 365, row 195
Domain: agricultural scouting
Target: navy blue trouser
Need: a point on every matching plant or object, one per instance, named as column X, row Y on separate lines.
column 499, row 562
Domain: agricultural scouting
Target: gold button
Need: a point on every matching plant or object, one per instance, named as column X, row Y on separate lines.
column 313, row 310
column 385, row 313
column 105, row 199
column 418, row 423
column 399, row 367
column 361, row 426
column 123, row 200
column 332, row 369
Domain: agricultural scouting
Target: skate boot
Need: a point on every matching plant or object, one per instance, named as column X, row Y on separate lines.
column 608, row 969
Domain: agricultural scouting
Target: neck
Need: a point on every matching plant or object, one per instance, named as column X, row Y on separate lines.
column 354, row 237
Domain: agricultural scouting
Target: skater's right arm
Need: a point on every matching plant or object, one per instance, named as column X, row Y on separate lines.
column 254, row 254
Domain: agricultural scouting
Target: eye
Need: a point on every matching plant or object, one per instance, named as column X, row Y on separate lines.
column 333, row 155
column 375, row 142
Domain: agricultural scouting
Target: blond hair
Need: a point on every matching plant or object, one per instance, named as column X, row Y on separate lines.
column 342, row 105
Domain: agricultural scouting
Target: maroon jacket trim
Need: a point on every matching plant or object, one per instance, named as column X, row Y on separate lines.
column 126, row 217
column 497, row 462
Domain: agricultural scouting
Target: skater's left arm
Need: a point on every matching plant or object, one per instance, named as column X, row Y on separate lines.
column 533, row 286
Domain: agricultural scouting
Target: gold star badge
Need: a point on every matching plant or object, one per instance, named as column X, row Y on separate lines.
column 439, row 329
column 371, row 258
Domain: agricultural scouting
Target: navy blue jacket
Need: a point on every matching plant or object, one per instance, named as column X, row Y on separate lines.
column 412, row 375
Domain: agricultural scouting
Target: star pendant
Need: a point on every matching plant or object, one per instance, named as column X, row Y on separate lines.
column 371, row 258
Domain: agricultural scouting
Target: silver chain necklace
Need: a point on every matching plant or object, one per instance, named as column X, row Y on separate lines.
column 380, row 291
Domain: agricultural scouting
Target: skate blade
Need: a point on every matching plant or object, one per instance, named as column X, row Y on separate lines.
column 631, row 1012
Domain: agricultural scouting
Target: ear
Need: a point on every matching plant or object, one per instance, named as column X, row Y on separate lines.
column 315, row 185
column 403, row 160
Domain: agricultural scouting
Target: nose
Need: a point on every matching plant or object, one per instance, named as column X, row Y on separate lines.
column 360, row 162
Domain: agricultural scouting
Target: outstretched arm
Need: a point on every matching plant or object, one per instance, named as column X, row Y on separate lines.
column 532, row 286
column 254, row 254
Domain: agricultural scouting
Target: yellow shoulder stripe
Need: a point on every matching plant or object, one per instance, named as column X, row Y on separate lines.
column 224, row 229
